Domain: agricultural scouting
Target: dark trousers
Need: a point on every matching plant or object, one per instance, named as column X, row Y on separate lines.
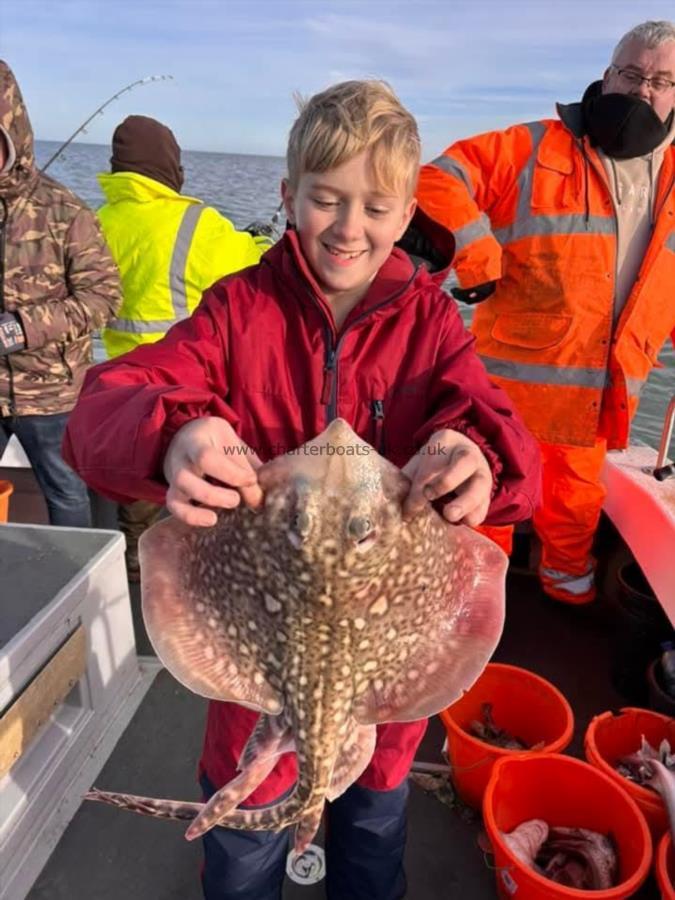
column 134, row 519
column 365, row 841
column 64, row 492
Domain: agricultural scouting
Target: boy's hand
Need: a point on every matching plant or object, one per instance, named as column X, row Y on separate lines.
column 209, row 448
column 448, row 463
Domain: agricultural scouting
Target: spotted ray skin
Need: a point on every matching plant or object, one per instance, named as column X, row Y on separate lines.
column 326, row 612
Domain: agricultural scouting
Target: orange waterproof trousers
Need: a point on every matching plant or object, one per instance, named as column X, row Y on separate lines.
column 566, row 521
column 502, row 535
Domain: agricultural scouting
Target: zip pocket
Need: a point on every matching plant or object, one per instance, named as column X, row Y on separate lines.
column 66, row 364
column 377, row 415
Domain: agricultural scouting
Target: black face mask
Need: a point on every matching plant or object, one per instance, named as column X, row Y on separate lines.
column 623, row 126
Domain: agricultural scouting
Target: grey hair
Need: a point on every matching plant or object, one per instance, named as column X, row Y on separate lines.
column 650, row 34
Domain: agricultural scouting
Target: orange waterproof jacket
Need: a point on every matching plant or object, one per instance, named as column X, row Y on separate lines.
column 531, row 209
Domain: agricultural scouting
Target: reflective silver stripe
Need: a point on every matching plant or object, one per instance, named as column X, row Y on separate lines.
column 475, row 230
column 570, row 223
column 526, row 177
column 528, row 225
column 179, row 259
column 670, row 243
column 571, row 584
column 179, row 256
column 135, row 326
column 534, row 373
column 634, row 386
column 454, row 168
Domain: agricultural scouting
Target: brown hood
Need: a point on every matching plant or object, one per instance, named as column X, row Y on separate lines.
column 16, row 124
column 145, row 146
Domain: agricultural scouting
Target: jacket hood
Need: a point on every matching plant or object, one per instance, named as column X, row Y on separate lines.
column 622, row 125
column 121, row 186
column 573, row 117
column 144, row 145
column 16, row 126
column 396, row 276
column 430, row 244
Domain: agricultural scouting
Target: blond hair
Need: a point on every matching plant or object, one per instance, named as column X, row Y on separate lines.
column 349, row 118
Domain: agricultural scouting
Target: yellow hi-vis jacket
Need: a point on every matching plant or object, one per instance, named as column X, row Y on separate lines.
column 169, row 248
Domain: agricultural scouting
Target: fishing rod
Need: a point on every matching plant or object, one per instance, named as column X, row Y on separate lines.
column 99, row 112
column 259, row 228
column 275, row 218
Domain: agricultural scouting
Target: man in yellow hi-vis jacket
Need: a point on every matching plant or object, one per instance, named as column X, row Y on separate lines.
column 168, row 247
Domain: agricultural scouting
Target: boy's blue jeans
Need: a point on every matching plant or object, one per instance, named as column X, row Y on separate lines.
column 365, row 841
column 64, row 492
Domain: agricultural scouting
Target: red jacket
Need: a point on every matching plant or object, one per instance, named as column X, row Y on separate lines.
column 262, row 351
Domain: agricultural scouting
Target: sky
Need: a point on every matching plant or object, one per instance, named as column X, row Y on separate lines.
column 461, row 66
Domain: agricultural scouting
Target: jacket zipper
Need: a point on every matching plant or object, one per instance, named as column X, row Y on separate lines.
column 377, row 412
column 66, row 364
column 3, row 230
column 3, row 223
column 657, row 212
column 329, row 373
column 329, row 387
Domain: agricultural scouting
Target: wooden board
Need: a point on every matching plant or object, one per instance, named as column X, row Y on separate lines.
column 30, row 710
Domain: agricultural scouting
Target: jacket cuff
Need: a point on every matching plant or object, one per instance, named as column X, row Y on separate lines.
column 34, row 338
column 493, row 460
column 181, row 416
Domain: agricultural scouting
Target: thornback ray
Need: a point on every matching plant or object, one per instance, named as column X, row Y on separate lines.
column 326, row 612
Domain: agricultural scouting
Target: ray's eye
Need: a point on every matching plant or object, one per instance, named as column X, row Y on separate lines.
column 300, row 522
column 299, row 528
column 361, row 530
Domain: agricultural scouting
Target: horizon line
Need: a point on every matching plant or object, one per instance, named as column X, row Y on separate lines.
column 182, row 149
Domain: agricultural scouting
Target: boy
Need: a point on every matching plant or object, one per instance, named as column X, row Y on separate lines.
column 333, row 322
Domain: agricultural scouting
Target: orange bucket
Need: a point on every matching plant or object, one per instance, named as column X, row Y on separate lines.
column 610, row 736
column 524, row 704
column 566, row 792
column 665, row 867
column 6, row 488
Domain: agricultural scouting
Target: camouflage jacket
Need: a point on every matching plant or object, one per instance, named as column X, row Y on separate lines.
column 56, row 274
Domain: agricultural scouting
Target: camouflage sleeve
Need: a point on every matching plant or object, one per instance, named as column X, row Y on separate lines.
column 94, row 291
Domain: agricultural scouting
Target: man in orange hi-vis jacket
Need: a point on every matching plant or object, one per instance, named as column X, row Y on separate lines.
column 565, row 232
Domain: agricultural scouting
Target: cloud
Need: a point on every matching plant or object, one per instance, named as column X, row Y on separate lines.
column 469, row 64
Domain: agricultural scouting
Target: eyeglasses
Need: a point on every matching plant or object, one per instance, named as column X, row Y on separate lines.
column 658, row 85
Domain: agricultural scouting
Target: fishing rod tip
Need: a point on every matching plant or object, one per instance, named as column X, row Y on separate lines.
column 149, row 78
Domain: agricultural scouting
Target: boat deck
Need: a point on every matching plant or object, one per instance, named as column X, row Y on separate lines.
column 107, row 854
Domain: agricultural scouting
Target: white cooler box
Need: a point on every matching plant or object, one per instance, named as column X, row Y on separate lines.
column 70, row 681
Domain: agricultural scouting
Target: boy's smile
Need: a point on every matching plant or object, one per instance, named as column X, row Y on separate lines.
column 343, row 257
column 347, row 224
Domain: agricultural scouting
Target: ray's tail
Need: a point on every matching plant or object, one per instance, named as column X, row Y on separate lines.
column 147, row 806
column 270, row 738
column 304, row 807
column 221, row 806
